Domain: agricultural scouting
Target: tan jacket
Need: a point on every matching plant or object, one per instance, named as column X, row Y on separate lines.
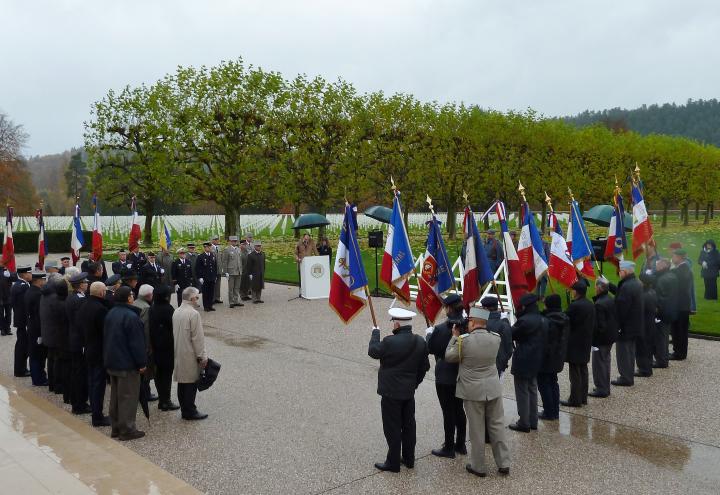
column 302, row 249
column 189, row 343
column 477, row 377
column 231, row 260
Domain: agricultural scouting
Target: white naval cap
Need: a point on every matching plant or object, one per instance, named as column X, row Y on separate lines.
column 401, row 314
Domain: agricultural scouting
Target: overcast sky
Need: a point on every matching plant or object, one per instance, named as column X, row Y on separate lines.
column 558, row 57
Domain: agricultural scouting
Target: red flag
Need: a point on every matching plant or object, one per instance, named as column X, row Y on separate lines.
column 514, row 276
column 135, row 232
column 97, row 240
column 561, row 266
column 642, row 229
column 8, row 252
column 42, row 244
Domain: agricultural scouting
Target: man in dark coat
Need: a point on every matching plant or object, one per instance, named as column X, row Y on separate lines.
column 113, row 283
column 256, row 270
column 182, row 274
column 137, row 259
column 121, row 264
column 48, row 331
column 78, row 376
column 553, row 357
column 125, row 357
column 37, row 352
column 91, row 324
column 501, row 326
column 64, row 264
column 528, row 333
column 245, row 250
column 685, row 288
column 403, row 363
column 709, row 262
column 163, row 345
column 666, row 289
column 130, row 279
column 454, row 420
column 644, row 342
column 629, row 307
column 57, row 314
column 604, row 336
column 582, row 323
column 151, row 273
column 5, row 305
column 206, row 273
column 17, row 300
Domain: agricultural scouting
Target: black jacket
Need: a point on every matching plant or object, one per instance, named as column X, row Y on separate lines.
column 712, row 258
column 629, row 307
column 182, row 273
column 124, row 339
column 17, row 300
column 119, row 267
column 206, row 267
column 32, row 308
column 149, row 275
column 650, row 308
column 556, row 341
column 501, row 327
column 137, row 261
column 582, row 324
column 161, row 333
column 606, row 327
column 666, row 289
column 73, row 307
column 5, row 285
column 529, row 333
column 48, row 330
column 403, row 362
column 57, row 317
column 685, row 286
column 437, row 342
column 92, row 325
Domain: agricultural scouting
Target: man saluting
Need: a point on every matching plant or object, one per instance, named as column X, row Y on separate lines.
column 403, row 363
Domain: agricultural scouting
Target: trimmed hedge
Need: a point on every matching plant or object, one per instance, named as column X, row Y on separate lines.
column 58, row 241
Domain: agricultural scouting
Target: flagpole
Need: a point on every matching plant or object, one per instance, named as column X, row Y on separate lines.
column 573, row 211
column 552, row 212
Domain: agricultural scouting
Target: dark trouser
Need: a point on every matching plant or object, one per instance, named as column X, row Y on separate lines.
column 38, row 355
column 526, row 392
column 62, row 374
column 680, row 334
column 453, row 415
column 711, row 288
column 97, row 381
column 660, row 343
column 208, row 293
column 5, row 318
column 245, row 285
column 21, row 351
column 601, row 369
column 579, row 383
column 179, row 295
column 625, row 357
column 163, row 383
column 256, row 294
column 398, row 417
column 547, row 384
column 186, row 393
column 78, row 381
column 124, row 394
column 643, row 350
column 52, row 381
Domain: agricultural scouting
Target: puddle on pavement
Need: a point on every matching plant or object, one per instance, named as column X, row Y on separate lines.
column 235, row 340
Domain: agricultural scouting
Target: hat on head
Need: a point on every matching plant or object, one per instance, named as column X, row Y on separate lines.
column 257, row 243
column 528, row 299
column 233, row 238
column 112, row 280
column 489, row 302
column 580, row 286
column 38, row 275
column 24, row 269
column 401, row 314
column 207, row 243
column 181, row 250
column 451, row 299
column 65, row 258
column 79, row 278
column 479, row 313
column 122, row 251
column 553, row 301
column 50, row 264
column 151, row 253
column 190, row 244
column 129, row 275
column 491, row 231
column 215, row 238
column 680, row 252
column 626, row 265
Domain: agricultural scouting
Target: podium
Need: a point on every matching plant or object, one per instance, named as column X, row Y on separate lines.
column 315, row 277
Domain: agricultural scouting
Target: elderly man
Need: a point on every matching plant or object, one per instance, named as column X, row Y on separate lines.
column 629, row 307
column 231, row 264
column 92, row 323
column 125, row 359
column 305, row 247
column 437, row 338
column 36, row 350
column 256, row 269
column 122, row 264
column 681, row 268
column 666, row 288
column 403, row 363
column 605, row 334
column 190, row 353
column 163, row 346
column 479, row 386
column 182, row 274
column 17, row 300
column 582, row 323
column 78, row 376
column 112, row 284
column 143, row 301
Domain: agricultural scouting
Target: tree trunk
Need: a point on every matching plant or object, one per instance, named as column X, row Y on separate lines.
column 686, row 214
column 664, row 214
column 486, row 222
column 697, row 210
column 712, row 210
column 451, row 222
column 706, row 218
column 231, row 221
column 543, row 219
column 149, row 208
column 296, row 214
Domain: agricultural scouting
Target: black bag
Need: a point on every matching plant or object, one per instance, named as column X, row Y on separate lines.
column 208, row 375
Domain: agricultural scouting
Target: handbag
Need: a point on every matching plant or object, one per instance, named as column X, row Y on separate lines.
column 208, row 375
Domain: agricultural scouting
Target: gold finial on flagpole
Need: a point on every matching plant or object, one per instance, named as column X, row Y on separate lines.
column 572, row 197
column 394, row 187
column 428, row 200
column 549, row 202
column 465, row 197
column 521, row 188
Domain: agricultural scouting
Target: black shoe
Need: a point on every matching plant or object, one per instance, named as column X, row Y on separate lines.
column 217, row 301
column 260, row 302
column 516, row 427
column 621, row 383
column 246, row 298
column 658, row 365
column 675, row 357
column 239, row 304
column 195, row 416
column 6, row 333
column 41, row 384
column 169, row 406
column 444, row 452
column 597, row 394
column 408, row 464
column 24, row 374
column 84, row 409
column 105, row 421
column 114, row 434
column 152, row 398
column 383, row 466
column 504, row 471
column 546, row 417
column 569, row 404
column 133, row 435
column 256, row 302
column 460, row 448
column 642, row 375
column 534, row 428
column 470, row 470
column 212, row 309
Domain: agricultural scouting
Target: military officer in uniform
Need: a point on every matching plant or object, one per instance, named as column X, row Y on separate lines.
column 112, row 284
column 479, row 386
column 215, row 250
column 403, row 363
column 165, row 261
column 137, row 259
column 36, row 349
column 17, row 300
column 501, row 326
column 206, row 273
column 231, row 264
column 246, row 249
column 192, row 256
column 5, row 306
column 121, row 264
column 182, row 274
column 151, row 273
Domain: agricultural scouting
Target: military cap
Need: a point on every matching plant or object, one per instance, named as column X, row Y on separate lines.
column 257, row 243
column 112, row 280
column 190, row 244
column 627, row 265
column 181, row 250
column 65, row 258
column 401, row 314
column 479, row 313
column 79, row 278
column 50, row 264
column 528, row 299
column 451, row 299
column 680, row 252
column 215, row 238
column 24, row 269
column 490, row 302
column 207, row 243
column 151, row 253
column 121, row 251
column 491, row 231
column 38, row 275
column 233, row 238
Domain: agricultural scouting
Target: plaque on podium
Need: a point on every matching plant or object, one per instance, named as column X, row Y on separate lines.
column 315, row 277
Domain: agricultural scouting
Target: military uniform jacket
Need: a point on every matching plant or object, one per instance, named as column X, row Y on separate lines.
column 137, row 261
column 403, row 362
column 118, row 267
column 182, row 273
column 629, row 307
column 32, row 307
column 192, row 258
column 206, row 267
column 256, row 268
column 17, row 300
column 477, row 377
column 231, row 260
column 5, row 285
column 150, row 275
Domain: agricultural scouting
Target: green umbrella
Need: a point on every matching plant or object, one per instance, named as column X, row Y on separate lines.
column 381, row 213
column 601, row 215
column 310, row 221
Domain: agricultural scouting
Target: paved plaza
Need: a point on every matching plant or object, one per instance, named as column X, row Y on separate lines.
column 295, row 411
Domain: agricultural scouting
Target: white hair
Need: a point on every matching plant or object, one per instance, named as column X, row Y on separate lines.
column 71, row 271
column 189, row 292
column 97, row 289
column 145, row 290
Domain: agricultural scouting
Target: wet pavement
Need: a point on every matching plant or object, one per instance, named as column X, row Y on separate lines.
column 295, row 411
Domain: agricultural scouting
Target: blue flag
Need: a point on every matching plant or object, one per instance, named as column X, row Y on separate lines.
column 581, row 248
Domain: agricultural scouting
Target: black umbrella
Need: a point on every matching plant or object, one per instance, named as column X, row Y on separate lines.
column 601, row 215
column 309, row 221
column 380, row 213
column 144, row 395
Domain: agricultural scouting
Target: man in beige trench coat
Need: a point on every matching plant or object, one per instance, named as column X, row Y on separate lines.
column 190, row 353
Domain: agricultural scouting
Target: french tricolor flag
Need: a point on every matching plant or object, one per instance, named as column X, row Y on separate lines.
column 477, row 267
column 42, row 243
column 135, row 232
column 76, row 240
column 578, row 243
column 97, row 240
column 349, row 282
column 530, row 249
column 515, row 277
column 8, row 250
column 398, row 262
column 642, row 230
column 560, row 266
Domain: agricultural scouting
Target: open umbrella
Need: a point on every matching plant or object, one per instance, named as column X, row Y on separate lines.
column 601, row 215
column 381, row 213
column 310, row 221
